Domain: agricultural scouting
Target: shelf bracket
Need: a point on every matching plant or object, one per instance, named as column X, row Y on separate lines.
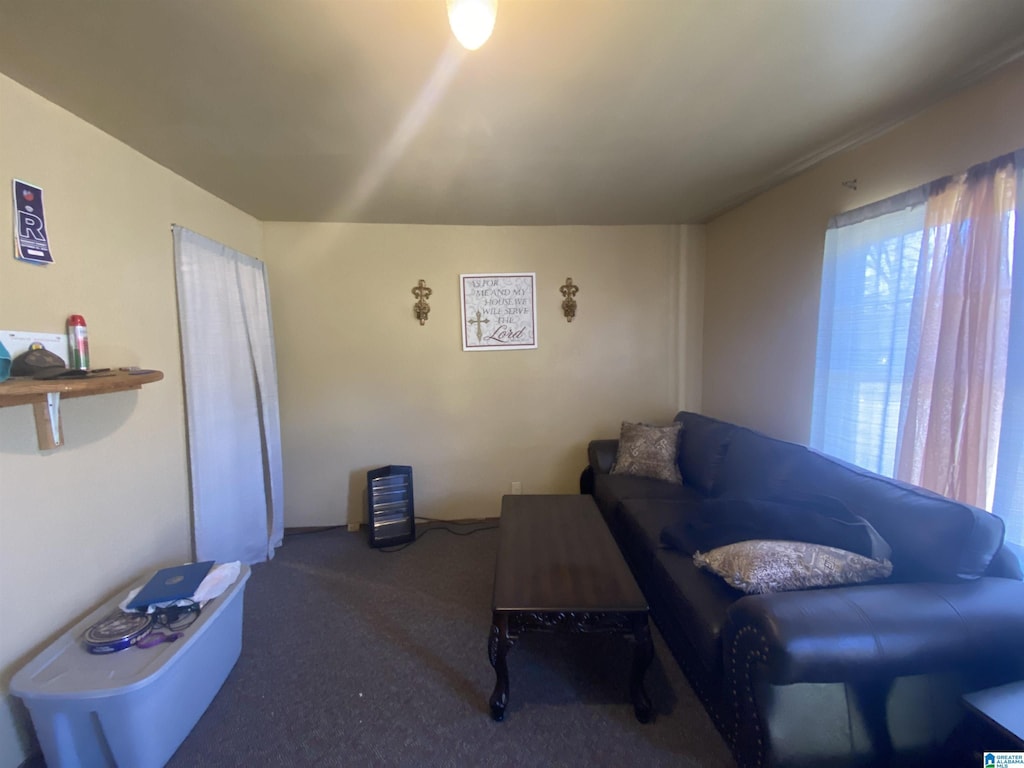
column 49, row 431
column 53, row 411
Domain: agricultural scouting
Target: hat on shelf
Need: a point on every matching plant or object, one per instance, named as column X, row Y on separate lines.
column 40, row 363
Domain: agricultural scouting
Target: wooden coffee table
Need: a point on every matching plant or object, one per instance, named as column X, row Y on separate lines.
column 559, row 570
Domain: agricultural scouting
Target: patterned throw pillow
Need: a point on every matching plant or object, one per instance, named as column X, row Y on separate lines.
column 763, row 565
column 649, row 451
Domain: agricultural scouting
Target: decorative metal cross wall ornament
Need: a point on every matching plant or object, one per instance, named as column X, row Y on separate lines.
column 421, row 308
column 569, row 291
column 479, row 325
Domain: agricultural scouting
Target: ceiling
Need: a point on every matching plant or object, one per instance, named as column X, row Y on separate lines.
column 575, row 112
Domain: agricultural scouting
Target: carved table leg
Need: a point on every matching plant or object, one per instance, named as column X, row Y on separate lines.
column 643, row 654
column 497, row 650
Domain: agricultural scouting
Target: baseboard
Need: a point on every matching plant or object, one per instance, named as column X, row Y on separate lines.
column 312, row 529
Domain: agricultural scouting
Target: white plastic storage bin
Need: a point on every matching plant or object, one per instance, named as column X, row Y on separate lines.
column 132, row 708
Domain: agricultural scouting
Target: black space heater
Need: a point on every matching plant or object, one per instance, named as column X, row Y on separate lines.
column 392, row 516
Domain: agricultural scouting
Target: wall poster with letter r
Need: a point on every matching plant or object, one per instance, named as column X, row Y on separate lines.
column 31, row 242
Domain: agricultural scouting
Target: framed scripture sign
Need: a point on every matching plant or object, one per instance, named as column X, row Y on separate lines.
column 498, row 311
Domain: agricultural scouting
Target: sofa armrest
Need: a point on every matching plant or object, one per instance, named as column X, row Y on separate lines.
column 601, row 454
column 878, row 630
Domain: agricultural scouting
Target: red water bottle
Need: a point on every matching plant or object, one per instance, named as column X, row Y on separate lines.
column 78, row 343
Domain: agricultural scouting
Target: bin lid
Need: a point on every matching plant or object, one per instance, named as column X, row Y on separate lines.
column 66, row 669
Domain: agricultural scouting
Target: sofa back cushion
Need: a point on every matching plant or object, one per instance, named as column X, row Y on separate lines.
column 702, row 449
column 814, row 519
column 933, row 538
column 757, row 466
column 1007, row 562
column 610, row 490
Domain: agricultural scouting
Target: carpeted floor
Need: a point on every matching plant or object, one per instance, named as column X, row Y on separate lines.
column 357, row 657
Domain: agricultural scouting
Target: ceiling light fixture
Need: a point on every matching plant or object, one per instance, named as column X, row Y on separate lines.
column 472, row 21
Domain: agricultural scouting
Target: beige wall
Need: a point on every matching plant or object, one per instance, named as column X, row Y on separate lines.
column 764, row 258
column 363, row 384
column 79, row 523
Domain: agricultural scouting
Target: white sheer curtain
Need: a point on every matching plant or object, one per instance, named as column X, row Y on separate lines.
column 867, row 289
column 234, row 434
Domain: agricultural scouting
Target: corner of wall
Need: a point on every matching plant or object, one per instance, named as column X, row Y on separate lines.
column 690, row 351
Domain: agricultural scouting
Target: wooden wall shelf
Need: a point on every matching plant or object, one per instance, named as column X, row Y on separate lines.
column 45, row 396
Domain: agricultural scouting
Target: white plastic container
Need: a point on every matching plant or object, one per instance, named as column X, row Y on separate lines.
column 133, row 708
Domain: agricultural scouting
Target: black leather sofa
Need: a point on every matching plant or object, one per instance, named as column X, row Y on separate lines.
column 861, row 675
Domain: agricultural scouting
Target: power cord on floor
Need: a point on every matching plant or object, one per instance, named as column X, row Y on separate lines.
column 482, row 526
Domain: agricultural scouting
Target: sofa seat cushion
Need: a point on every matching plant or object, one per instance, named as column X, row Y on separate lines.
column 696, row 599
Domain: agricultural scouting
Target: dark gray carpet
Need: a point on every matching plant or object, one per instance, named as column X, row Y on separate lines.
column 356, row 657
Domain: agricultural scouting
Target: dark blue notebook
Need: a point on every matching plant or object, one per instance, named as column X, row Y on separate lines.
column 167, row 584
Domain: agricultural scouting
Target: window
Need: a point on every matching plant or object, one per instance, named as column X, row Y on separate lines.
column 866, row 296
column 920, row 361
